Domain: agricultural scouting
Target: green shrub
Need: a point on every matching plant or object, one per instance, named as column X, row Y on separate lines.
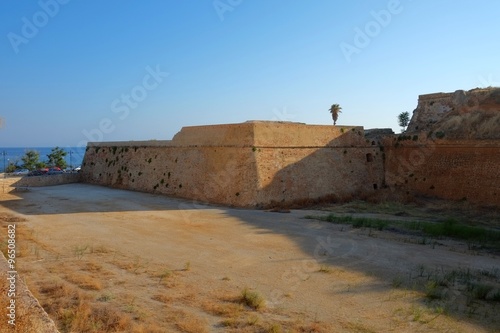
column 440, row 134
column 480, row 291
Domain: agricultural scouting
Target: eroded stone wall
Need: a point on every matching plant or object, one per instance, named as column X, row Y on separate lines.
column 261, row 164
column 223, row 175
column 454, row 170
column 451, row 148
column 253, row 164
column 470, row 115
column 47, row 180
column 345, row 173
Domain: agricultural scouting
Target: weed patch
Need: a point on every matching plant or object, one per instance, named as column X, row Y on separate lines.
column 450, row 228
column 190, row 324
column 480, row 291
column 252, row 299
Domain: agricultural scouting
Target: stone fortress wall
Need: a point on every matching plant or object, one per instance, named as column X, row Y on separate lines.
column 451, row 150
column 454, row 170
column 461, row 115
column 431, row 109
column 252, row 164
column 456, row 151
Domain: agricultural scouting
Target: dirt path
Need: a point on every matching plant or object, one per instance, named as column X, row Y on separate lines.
column 128, row 261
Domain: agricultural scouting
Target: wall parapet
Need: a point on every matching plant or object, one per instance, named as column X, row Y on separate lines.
column 433, row 96
column 149, row 143
column 253, row 134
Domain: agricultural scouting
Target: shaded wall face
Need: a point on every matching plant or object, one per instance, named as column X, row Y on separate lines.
column 224, row 175
column 456, row 171
column 292, row 175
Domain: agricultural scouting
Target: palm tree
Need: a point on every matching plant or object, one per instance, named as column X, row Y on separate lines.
column 404, row 120
column 334, row 110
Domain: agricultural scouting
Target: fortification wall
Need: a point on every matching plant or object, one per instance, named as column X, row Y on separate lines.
column 431, row 109
column 435, row 96
column 473, row 114
column 208, row 174
column 297, row 174
column 253, row 164
column 47, row 180
column 455, row 170
column 458, row 151
column 261, row 164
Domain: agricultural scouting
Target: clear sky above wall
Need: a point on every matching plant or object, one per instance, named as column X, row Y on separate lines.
column 73, row 71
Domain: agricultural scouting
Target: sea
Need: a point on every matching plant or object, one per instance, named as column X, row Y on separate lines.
column 74, row 156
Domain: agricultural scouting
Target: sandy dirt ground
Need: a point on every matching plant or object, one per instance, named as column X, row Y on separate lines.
column 106, row 260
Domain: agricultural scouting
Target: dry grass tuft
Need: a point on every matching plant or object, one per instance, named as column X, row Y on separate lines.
column 9, row 218
column 314, row 328
column 57, row 289
column 189, row 323
column 92, row 267
column 325, row 269
column 90, row 318
column 72, row 310
column 275, row 328
column 230, row 322
column 231, row 310
column 151, row 328
column 135, row 266
column 100, row 249
column 84, row 281
column 252, row 299
column 162, row 298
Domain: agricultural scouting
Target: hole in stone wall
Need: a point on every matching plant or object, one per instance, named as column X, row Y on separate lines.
column 369, row 157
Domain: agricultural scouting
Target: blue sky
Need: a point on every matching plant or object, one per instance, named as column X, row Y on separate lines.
column 74, row 70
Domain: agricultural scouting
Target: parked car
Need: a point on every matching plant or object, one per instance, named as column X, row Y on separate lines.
column 77, row 169
column 21, row 172
column 55, row 171
column 38, row 172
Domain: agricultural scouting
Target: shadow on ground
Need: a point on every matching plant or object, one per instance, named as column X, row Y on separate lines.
column 390, row 263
